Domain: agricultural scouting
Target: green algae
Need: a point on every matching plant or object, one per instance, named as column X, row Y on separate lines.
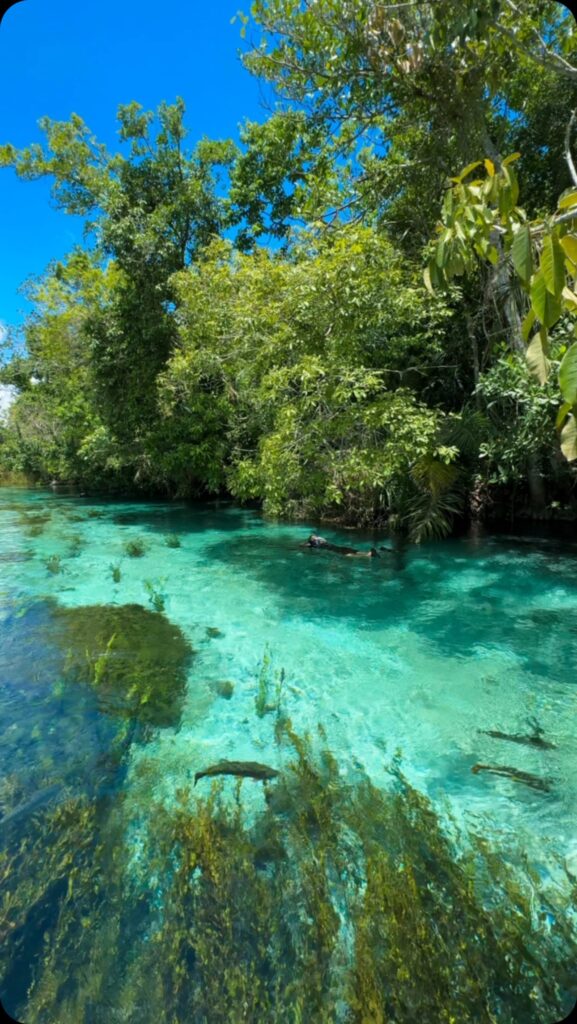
column 135, row 548
column 223, row 688
column 54, row 565
column 134, row 659
column 333, row 902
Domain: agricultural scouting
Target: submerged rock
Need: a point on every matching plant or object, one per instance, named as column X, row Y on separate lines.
column 134, row 659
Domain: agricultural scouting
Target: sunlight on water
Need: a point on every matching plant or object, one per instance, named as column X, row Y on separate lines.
column 416, row 662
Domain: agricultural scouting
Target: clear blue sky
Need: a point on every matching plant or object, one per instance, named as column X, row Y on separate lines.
column 63, row 56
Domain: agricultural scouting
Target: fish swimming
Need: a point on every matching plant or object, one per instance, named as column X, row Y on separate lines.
column 513, row 773
column 530, row 741
column 242, row 769
column 41, row 797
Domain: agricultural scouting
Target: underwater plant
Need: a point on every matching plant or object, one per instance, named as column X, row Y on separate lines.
column 333, row 901
column 213, row 632
column 115, row 572
column 261, row 699
column 264, row 683
column 134, row 658
column 135, row 548
column 75, row 546
column 155, row 596
column 223, row 688
column 172, row 540
column 54, row 564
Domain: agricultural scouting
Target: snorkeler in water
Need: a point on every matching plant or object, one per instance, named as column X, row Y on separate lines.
column 315, row 541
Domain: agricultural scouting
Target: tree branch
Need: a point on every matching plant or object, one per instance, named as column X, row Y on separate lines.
column 568, row 156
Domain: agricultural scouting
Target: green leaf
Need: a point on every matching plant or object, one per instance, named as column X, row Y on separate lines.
column 568, row 199
column 570, row 299
column 428, row 282
column 466, row 171
column 569, row 244
column 568, row 375
column 521, row 253
column 537, row 360
column 562, row 414
column 527, row 324
column 546, row 306
column 510, row 159
column 553, row 265
column 569, row 439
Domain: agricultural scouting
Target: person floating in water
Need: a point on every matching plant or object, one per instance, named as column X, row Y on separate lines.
column 315, row 541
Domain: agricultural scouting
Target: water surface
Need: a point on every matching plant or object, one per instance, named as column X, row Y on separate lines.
column 411, row 662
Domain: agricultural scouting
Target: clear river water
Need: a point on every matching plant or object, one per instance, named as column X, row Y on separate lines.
column 415, row 661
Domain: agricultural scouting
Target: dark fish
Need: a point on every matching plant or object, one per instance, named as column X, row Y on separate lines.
column 243, row 769
column 513, row 773
column 530, row 741
column 41, row 797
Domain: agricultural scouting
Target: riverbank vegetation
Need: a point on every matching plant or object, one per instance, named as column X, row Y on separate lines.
column 363, row 309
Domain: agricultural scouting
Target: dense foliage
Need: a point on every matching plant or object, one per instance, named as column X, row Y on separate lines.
column 251, row 318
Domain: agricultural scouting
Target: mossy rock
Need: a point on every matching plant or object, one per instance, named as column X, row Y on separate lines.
column 134, row 659
column 213, row 632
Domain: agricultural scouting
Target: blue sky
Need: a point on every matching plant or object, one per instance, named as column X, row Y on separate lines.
column 62, row 56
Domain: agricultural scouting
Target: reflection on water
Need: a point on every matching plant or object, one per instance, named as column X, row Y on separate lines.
column 113, row 671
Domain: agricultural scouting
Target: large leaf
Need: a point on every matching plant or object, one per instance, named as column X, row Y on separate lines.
column 537, row 360
column 511, row 159
column 428, row 282
column 568, row 199
column 569, row 243
column 569, row 439
column 562, row 414
column 546, row 306
column 527, row 324
column 521, row 253
column 467, row 170
column 570, row 299
column 553, row 265
column 568, row 375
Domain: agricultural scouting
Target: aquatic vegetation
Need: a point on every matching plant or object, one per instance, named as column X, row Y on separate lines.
column 261, row 699
column 135, row 659
column 135, row 548
column 213, row 632
column 334, row 902
column 54, row 564
column 223, row 688
column 34, row 523
column 115, row 572
column 155, row 596
column 264, row 684
column 172, row 540
column 76, row 543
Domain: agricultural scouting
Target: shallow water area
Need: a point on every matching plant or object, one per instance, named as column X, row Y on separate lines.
column 415, row 662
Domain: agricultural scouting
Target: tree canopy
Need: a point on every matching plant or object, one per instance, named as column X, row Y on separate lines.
column 251, row 316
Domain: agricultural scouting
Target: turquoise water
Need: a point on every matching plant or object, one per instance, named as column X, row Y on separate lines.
column 410, row 660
